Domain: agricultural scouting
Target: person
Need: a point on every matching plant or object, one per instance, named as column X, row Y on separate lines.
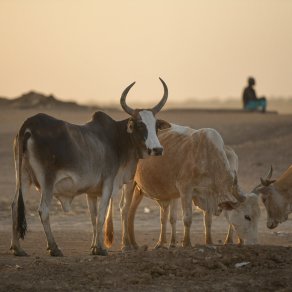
column 250, row 100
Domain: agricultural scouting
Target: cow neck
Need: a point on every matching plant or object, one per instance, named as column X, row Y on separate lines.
column 139, row 153
column 128, row 148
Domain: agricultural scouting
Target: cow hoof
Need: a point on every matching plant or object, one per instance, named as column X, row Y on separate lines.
column 160, row 246
column 55, row 252
column 99, row 251
column 186, row 245
column 172, row 245
column 127, row 248
column 19, row 253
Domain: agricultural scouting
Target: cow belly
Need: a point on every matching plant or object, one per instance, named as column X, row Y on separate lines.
column 65, row 191
column 65, row 185
column 69, row 185
column 163, row 196
column 158, row 191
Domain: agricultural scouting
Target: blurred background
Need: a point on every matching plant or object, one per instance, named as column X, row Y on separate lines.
column 69, row 58
column 89, row 51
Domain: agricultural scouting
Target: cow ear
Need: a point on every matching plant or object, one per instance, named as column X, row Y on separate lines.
column 228, row 205
column 130, row 126
column 161, row 125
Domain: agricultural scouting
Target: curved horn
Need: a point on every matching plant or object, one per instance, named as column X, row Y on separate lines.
column 235, row 189
column 125, row 107
column 162, row 102
column 257, row 189
column 269, row 175
column 267, row 180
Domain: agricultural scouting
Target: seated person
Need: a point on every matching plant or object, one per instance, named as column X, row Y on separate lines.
column 250, row 99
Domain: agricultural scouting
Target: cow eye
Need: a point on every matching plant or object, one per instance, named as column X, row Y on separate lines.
column 247, row 217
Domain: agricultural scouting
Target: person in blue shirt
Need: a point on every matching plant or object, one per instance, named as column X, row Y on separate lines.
column 250, row 100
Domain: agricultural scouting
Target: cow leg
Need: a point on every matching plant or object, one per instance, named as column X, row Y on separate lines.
column 172, row 220
column 125, row 204
column 137, row 197
column 229, row 237
column 98, row 248
column 15, row 244
column 240, row 241
column 44, row 210
column 208, row 225
column 186, row 201
column 164, row 210
column 92, row 206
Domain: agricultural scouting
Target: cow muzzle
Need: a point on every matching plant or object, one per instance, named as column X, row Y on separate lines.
column 158, row 151
column 272, row 224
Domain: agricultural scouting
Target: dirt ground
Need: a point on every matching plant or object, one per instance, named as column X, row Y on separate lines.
column 259, row 140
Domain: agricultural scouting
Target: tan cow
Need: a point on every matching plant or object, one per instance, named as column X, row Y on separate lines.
column 194, row 167
column 277, row 197
column 243, row 219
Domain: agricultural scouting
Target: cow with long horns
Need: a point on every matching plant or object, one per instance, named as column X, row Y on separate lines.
column 65, row 160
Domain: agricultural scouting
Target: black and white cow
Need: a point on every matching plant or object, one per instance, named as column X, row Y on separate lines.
column 65, row 160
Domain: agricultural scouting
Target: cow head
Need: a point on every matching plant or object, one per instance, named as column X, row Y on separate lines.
column 143, row 125
column 245, row 219
column 273, row 200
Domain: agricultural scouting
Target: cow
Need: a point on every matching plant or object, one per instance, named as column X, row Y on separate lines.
column 194, row 167
column 244, row 218
column 64, row 160
column 276, row 196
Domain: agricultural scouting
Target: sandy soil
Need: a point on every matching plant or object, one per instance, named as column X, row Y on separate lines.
column 259, row 140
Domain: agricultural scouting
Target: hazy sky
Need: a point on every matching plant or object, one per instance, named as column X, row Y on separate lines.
column 91, row 50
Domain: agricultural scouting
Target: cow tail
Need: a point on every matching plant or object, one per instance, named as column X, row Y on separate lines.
column 19, row 149
column 109, row 226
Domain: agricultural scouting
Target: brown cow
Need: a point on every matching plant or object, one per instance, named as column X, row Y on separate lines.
column 277, row 197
